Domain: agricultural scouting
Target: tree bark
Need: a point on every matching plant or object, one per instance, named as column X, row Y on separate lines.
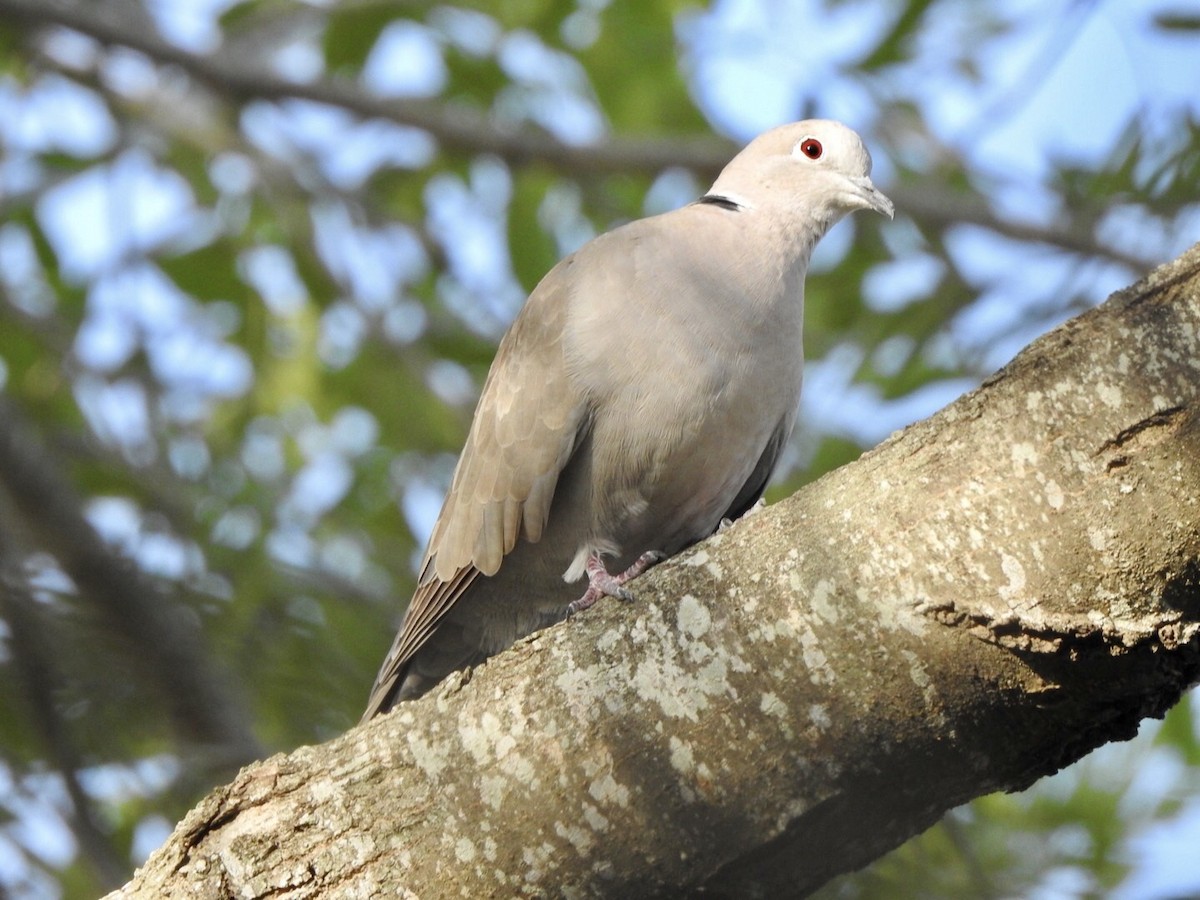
column 978, row 602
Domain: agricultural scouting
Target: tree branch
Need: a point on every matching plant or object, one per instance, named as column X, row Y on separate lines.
column 934, row 206
column 33, row 661
column 976, row 603
column 458, row 129
column 166, row 640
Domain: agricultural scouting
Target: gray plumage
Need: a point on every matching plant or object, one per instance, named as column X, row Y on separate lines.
column 643, row 393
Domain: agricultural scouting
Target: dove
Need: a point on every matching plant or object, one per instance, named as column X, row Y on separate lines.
column 641, row 396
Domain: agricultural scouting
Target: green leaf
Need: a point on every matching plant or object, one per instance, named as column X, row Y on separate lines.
column 209, row 273
column 532, row 250
column 893, row 47
column 1177, row 21
column 1178, row 731
column 352, row 31
column 475, row 80
column 652, row 96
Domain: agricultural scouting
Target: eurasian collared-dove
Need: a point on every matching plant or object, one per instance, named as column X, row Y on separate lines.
column 642, row 395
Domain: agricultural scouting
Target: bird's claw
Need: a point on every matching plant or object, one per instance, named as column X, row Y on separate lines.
column 601, row 583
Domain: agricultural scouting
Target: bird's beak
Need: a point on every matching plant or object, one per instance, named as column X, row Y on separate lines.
column 870, row 197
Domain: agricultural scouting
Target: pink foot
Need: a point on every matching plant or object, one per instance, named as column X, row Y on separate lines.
column 602, row 584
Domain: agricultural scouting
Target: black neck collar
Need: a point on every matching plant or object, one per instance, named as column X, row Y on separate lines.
column 723, row 202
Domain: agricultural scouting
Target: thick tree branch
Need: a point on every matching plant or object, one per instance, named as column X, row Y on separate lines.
column 978, row 602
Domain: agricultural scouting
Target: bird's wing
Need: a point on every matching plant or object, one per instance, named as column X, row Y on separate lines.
column 757, row 482
column 528, row 422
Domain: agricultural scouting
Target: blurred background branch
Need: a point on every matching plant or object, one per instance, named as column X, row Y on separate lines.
column 160, row 635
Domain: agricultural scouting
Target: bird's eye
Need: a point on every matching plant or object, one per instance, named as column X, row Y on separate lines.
column 811, row 148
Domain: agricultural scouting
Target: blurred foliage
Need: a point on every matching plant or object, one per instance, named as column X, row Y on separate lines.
column 248, row 332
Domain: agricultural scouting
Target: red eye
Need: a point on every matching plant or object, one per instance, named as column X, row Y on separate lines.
column 811, row 148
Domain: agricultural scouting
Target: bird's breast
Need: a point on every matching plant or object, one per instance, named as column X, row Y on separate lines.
column 675, row 441
column 690, row 364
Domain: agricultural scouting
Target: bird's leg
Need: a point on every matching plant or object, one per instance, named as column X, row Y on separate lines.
column 603, row 584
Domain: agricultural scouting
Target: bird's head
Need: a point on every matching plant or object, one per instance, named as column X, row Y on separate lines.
column 817, row 167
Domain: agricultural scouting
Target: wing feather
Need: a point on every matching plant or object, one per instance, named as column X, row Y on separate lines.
column 757, row 482
column 528, row 422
